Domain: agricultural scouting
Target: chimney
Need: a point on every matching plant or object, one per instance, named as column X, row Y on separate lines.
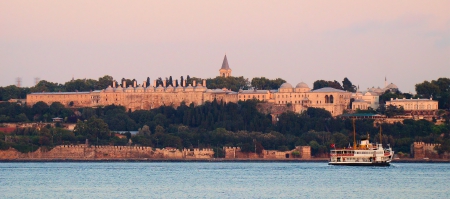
column 194, row 83
column 164, row 83
column 204, row 82
column 144, row 84
column 174, row 83
column 134, row 84
column 154, row 83
column 114, row 84
column 184, row 83
column 124, row 84
column 392, row 99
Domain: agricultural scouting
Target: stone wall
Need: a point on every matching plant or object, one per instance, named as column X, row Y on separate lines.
column 235, row 152
column 420, row 150
column 83, row 152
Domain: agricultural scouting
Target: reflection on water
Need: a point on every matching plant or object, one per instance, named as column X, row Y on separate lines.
column 221, row 180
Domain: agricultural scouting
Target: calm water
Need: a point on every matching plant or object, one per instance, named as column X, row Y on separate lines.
column 222, row 180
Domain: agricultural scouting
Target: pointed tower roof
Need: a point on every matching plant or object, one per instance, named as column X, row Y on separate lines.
column 225, row 63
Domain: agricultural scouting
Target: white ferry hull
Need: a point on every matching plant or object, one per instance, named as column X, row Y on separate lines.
column 364, row 156
column 359, row 163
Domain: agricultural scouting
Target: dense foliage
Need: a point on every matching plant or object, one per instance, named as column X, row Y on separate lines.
column 438, row 89
column 215, row 124
column 346, row 85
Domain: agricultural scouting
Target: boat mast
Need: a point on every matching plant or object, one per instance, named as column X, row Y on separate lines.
column 381, row 138
column 354, row 135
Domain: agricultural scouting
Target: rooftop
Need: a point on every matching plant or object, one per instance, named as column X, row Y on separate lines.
column 225, row 63
column 328, row 90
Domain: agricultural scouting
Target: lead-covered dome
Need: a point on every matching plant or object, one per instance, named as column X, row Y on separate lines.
column 109, row 89
column 302, row 85
column 392, row 86
column 130, row 89
column 119, row 89
column 286, row 85
column 140, row 89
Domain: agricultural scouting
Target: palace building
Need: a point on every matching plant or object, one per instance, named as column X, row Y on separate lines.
column 146, row 97
column 416, row 108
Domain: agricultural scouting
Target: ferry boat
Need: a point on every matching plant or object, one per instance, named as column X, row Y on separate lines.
column 364, row 154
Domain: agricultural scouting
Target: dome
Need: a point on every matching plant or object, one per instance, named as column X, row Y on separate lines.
column 129, row 89
column 378, row 90
column 140, row 89
column 200, row 87
column 119, row 89
column 179, row 89
column 189, row 88
column 150, row 89
column 391, row 85
column 109, row 89
column 159, row 89
column 302, row 85
column 286, row 85
column 169, row 88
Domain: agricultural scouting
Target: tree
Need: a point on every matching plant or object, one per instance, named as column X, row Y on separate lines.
column 104, row 82
column 170, row 81
column 127, row 81
column 263, row 83
column 45, row 86
column 56, row 108
column 11, row 92
column 40, row 108
column 92, row 129
column 232, row 83
column 318, row 113
column 348, row 86
column 80, row 85
column 427, row 89
column 145, row 131
column 88, row 113
column 394, row 110
column 322, row 84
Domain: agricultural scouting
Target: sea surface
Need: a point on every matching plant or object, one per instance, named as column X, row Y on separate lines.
column 221, row 180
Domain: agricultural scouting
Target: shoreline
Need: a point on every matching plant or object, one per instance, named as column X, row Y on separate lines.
column 314, row 160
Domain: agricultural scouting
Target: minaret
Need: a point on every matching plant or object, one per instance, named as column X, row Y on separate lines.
column 385, row 81
column 225, row 71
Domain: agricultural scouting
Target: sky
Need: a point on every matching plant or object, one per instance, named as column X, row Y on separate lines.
column 406, row 42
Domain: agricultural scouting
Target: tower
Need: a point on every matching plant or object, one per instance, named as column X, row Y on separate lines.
column 19, row 82
column 225, row 71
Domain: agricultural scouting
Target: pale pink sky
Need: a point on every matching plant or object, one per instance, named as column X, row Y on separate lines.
column 407, row 41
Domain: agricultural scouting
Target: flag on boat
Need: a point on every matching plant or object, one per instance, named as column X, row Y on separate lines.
column 332, row 146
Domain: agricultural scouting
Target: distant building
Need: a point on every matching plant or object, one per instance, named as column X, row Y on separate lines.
column 301, row 97
column 366, row 100
column 416, row 108
column 146, row 97
column 225, row 71
column 57, row 119
column 371, row 97
column 421, row 150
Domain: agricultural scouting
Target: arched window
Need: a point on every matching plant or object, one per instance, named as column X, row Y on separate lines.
column 326, row 99
column 331, row 98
